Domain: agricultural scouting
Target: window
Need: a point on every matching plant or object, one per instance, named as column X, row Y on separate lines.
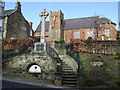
column 107, row 32
column 30, row 32
column 66, row 35
column 76, row 34
column 23, row 27
column 90, row 33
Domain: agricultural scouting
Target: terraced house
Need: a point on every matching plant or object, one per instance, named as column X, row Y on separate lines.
column 15, row 25
column 96, row 28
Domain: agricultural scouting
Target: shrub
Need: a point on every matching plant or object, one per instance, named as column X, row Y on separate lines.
column 96, row 82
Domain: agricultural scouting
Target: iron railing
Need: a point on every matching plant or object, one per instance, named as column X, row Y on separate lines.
column 51, row 52
column 75, row 55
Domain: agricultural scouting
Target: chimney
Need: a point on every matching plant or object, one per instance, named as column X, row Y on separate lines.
column 2, row 5
column 109, row 21
column 30, row 23
column 18, row 6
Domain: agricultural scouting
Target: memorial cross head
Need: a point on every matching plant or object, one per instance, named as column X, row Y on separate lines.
column 44, row 13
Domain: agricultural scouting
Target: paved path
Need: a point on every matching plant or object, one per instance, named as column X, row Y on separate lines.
column 10, row 81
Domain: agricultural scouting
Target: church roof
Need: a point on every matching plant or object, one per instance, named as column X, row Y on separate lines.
column 8, row 12
column 46, row 26
column 78, row 23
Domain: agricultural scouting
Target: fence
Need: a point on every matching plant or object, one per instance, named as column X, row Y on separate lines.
column 96, row 46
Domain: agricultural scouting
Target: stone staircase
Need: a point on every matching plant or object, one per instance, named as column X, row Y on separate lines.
column 69, row 77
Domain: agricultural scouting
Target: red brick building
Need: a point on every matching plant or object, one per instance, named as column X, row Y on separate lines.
column 79, row 28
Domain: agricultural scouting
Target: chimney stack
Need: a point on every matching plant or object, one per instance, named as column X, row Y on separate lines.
column 30, row 23
column 18, row 6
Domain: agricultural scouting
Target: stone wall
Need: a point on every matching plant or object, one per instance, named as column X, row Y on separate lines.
column 15, row 26
column 20, row 64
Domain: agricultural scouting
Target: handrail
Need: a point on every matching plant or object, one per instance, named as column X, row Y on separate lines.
column 72, row 53
column 51, row 52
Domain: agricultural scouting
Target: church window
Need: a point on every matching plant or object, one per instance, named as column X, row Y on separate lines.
column 90, row 33
column 76, row 34
column 54, row 33
column 107, row 32
column 66, row 35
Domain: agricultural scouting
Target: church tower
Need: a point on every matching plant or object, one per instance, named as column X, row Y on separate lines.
column 56, row 32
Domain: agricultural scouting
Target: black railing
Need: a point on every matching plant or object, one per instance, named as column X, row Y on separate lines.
column 51, row 52
column 75, row 55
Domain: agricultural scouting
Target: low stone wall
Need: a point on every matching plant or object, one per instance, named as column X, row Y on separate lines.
column 19, row 64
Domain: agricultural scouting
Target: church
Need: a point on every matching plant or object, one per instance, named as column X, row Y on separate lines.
column 95, row 28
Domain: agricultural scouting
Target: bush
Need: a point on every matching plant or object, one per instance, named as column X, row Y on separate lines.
column 13, row 44
column 96, row 82
column 62, row 41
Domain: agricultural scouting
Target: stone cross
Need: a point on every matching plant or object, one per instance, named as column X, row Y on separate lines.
column 43, row 15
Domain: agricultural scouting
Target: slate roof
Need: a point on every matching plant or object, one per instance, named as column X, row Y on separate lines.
column 78, row 23
column 46, row 26
column 105, row 20
column 8, row 12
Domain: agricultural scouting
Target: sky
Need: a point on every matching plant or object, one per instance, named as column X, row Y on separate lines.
column 31, row 10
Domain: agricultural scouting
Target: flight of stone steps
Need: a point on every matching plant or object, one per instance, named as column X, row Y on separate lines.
column 69, row 77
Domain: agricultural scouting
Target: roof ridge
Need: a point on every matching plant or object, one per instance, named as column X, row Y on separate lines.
column 10, row 10
column 81, row 18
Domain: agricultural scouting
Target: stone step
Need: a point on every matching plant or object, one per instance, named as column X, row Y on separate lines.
column 70, row 82
column 69, row 85
column 67, row 70
column 69, row 76
column 64, row 66
column 69, row 79
column 70, row 72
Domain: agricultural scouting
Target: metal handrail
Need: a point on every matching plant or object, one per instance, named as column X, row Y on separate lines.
column 51, row 52
column 72, row 53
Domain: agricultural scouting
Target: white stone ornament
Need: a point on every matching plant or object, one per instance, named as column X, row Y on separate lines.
column 34, row 69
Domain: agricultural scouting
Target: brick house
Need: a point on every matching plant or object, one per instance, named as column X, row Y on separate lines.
column 79, row 28
column 15, row 25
